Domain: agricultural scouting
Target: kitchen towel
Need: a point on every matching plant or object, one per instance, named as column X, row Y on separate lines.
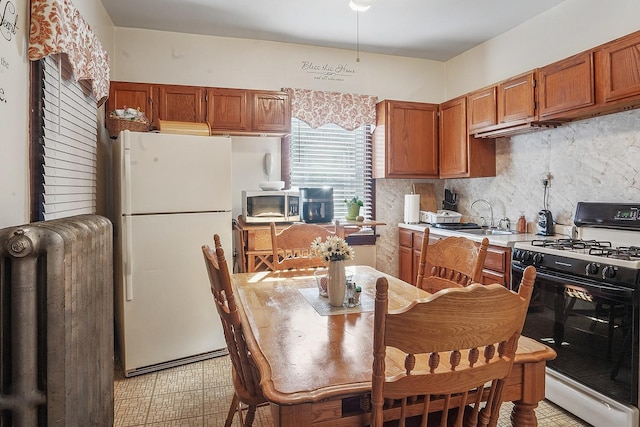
column 411, row 208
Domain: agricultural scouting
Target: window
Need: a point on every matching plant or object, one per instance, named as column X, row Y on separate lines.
column 64, row 148
column 332, row 156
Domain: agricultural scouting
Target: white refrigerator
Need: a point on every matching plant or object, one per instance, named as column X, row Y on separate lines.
column 172, row 193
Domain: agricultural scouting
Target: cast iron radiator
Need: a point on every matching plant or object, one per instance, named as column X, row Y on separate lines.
column 56, row 330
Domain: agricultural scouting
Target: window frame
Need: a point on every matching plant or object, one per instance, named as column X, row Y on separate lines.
column 369, row 185
column 73, row 91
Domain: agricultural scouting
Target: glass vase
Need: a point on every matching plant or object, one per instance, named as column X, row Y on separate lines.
column 337, row 281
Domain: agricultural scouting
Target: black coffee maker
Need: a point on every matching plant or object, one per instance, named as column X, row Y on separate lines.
column 317, row 204
column 545, row 223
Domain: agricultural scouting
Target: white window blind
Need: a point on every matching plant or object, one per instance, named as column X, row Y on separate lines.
column 69, row 137
column 335, row 157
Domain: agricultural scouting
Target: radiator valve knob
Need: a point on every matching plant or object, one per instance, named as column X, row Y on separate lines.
column 20, row 245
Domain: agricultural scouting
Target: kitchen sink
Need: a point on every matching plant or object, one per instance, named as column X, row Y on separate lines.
column 488, row 232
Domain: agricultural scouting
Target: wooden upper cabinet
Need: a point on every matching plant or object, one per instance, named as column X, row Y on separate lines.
column 566, row 87
column 227, row 109
column 516, row 100
column 483, row 108
column 618, row 70
column 497, row 110
column 181, row 103
column 462, row 155
column 132, row 95
column 406, row 140
column 270, row 112
column 454, row 156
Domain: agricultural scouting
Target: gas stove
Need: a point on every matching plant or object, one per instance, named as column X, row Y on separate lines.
column 607, row 247
column 586, row 303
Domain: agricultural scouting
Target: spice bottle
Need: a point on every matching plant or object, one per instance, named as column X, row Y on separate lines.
column 521, row 227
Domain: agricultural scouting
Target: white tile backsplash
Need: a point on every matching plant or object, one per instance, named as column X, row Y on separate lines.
column 596, row 159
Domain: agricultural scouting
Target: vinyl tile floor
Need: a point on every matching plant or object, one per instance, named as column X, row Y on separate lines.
column 199, row 394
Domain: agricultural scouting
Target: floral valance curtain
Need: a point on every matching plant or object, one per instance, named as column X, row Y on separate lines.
column 317, row 108
column 58, row 27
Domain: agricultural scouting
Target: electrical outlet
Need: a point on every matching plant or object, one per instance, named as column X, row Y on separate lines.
column 545, row 179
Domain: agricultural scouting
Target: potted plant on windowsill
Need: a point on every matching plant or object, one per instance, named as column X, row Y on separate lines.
column 353, row 208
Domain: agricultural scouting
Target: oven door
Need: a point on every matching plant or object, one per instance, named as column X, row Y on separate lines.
column 593, row 326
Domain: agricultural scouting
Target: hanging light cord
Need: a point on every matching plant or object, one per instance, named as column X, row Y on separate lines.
column 357, row 36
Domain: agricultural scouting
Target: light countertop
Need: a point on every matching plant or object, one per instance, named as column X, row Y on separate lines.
column 506, row 240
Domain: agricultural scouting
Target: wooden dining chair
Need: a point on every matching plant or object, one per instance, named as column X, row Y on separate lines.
column 291, row 246
column 453, row 349
column 240, row 265
column 245, row 375
column 450, row 262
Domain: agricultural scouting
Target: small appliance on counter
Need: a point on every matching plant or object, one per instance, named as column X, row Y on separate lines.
column 317, row 204
column 545, row 219
column 442, row 216
column 450, row 201
column 545, row 223
column 270, row 206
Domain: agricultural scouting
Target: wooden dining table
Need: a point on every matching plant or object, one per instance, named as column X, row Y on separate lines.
column 315, row 360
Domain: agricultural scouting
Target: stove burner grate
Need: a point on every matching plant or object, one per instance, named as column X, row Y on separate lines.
column 572, row 244
column 627, row 253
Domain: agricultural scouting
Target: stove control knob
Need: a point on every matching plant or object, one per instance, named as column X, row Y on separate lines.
column 518, row 254
column 537, row 258
column 609, row 272
column 592, row 268
column 525, row 256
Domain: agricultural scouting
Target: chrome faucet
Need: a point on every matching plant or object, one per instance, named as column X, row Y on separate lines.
column 491, row 224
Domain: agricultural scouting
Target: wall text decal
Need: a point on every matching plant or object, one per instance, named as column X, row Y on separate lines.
column 336, row 72
column 4, row 64
column 8, row 20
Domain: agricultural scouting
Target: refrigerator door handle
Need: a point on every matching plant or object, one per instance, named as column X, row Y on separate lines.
column 126, row 185
column 128, row 257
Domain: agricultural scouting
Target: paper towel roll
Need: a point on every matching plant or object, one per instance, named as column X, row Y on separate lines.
column 411, row 208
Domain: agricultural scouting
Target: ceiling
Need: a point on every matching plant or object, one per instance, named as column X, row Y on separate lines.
column 429, row 29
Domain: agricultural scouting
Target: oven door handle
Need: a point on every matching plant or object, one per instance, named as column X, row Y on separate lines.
column 606, row 289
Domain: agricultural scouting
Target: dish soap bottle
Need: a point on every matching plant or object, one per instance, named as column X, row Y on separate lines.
column 521, row 226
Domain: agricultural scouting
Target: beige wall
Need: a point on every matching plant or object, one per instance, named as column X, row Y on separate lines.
column 164, row 57
column 14, row 98
column 569, row 28
column 13, row 118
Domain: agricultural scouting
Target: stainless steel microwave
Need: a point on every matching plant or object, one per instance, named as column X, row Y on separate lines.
column 271, row 206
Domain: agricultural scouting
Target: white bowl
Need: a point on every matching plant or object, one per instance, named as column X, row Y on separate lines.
column 272, row 185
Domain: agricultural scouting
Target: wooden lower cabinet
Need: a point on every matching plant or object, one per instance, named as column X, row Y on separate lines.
column 497, row 265
column 405, row 256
